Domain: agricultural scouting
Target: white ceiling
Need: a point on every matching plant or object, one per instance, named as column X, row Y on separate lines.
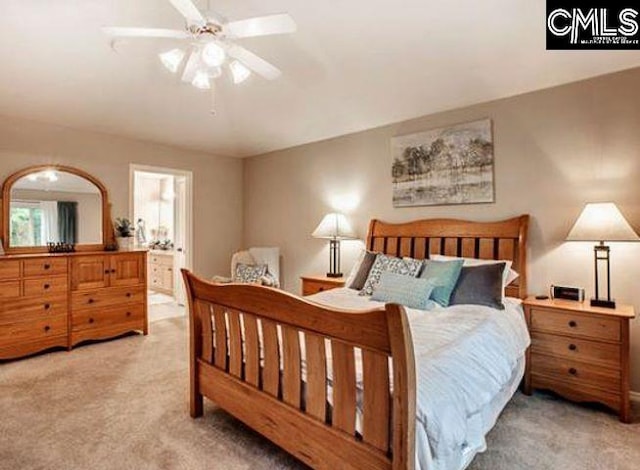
column 352, row 65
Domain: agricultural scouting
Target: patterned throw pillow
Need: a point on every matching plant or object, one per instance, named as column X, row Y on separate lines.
column 411, row 292
column 249, row 273
column 406, row 267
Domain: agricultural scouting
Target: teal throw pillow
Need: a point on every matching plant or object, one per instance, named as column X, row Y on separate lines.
column 405, row 290
column 444, row 276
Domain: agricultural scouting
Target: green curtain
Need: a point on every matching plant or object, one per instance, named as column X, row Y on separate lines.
column 68, row 221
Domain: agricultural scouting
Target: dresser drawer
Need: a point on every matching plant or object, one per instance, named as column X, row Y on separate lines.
column 575, row 324
column 592, row 352
column 9, row 270
column 33, row 330
column 97, row 299
column 34, row 308
column 44, row 267
column 161, row 260
column 107, row 318
column 47, row 285
column 9, row 289
column 576, row 373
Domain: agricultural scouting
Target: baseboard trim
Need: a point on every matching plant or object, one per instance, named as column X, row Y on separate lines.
column 634, row 396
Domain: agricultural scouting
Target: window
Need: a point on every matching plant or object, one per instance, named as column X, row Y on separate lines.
column 26, row 224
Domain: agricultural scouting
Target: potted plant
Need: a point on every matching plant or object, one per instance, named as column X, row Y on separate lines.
column 124, row 233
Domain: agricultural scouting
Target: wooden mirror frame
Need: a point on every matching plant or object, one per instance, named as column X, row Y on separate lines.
column 108, row 237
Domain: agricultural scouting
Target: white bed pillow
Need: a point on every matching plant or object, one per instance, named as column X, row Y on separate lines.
column 356, row 267
column 508, row 276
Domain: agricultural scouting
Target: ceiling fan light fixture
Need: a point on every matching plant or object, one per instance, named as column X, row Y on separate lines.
column 213, row 55
column 201, row 81
column 239, row 72
column 172, row 59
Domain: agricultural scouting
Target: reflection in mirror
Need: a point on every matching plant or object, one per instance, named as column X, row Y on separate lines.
column 54, row 206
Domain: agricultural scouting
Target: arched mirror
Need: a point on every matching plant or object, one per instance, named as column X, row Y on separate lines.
column 54, row 204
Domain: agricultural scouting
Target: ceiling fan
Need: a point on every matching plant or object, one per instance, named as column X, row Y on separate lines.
column 212, row 45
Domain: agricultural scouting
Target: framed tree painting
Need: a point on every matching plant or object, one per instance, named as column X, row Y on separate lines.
column 452, row 165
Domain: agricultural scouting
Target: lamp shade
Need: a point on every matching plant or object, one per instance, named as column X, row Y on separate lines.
column 602, row 222
column 334, row 226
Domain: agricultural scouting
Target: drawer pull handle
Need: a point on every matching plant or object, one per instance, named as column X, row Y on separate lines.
column 113, row 271
column 47, row 306
column 47, row 328
column 47, row 266
column 321, row 289
column 47, row 286
column 128, row 314
column 91, row 320
column 572, row 347
column 106, row 271
column 573, row 324
column 90, row 301
column 128, row 294
column 573, row 371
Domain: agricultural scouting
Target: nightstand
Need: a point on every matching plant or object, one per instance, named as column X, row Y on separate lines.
column 580, row 352
column 314, row 284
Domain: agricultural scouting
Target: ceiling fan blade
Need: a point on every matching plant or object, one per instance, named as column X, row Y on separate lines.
column 192, row 66
column 255, row 63
column 189, row 11
column 145, row 33
column 261, row 26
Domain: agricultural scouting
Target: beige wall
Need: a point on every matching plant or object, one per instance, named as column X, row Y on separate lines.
column 217, row 181
column 554, row 150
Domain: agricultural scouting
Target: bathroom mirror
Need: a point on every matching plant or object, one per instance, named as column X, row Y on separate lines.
column 54, row 204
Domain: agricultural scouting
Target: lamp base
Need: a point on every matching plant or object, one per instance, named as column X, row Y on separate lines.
column 603, row 303
column 334, row 274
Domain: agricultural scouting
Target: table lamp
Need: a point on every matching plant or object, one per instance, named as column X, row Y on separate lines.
column 334, row 227
column 602, row 222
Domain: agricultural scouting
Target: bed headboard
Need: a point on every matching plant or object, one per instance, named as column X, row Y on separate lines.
column 506, row 240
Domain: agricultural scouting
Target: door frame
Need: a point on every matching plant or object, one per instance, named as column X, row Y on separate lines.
column 188, row 175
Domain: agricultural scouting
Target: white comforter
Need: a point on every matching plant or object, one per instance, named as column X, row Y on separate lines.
column 465, row 357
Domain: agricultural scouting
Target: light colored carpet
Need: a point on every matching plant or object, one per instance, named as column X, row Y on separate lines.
column 122, row 404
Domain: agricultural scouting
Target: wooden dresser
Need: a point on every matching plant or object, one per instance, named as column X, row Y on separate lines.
column 63, row 299
column 161, row 271
column 580, row 352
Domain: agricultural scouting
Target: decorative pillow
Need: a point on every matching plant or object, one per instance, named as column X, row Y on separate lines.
column 362, row 273
column 269, row 280
column 411, row 292
column 480, row 285
column 443, row 275
column 392, row 264
column 508, row 276
column 249, row 273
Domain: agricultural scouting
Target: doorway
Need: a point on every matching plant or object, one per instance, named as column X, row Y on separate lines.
column 161, row 208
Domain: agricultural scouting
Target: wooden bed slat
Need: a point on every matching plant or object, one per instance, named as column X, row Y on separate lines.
column 235, row 344
column 344, row 387
column 486, row 248
column 420, row 248
column 291, row 368
column 252, row 350
column 435, row 246
column 451, row 247
column 378, row 245
column 468, row 248
column 506, row 249
column 271, row 367
column 220, row 356
column 406, row 247
column 204, row 312
column 392, row 246
column 376, row 399
column 316, row 396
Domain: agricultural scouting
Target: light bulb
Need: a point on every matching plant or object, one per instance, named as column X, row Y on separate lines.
column 172, row 59
column 213, row 55
column 239, row 72
column 201, row 81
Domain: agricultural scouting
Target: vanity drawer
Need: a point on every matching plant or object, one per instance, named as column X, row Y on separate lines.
column 9, row 270
column 97, row 299
column 575, row 324
column 48, row 285
column 44, row 267
column 9, row 289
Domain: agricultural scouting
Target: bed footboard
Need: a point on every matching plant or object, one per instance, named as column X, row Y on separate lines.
column 265, row 356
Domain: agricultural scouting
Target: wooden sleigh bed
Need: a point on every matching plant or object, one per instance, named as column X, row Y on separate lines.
column 247, row 356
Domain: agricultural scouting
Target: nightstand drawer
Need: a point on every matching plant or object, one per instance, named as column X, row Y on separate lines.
column 575, row 372
column 592, row 352
column 312, row 287
column 575, row 324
